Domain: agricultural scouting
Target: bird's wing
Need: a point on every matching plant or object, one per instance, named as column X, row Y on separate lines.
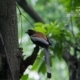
column 39, row 35
column 38, row 39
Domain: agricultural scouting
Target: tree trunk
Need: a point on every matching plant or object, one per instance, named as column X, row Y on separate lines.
column 8, row 28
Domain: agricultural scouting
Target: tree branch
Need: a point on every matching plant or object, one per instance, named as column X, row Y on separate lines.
column 29, row 61
column 73, row 64
column 26, row 7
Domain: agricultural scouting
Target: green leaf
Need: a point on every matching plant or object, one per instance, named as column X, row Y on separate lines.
column 40, row 29
column 42, row 68
column 24, row 77
column 58, row 50
column 38, row 24
column 67, row 35
column 37, row 62
column 54, row 23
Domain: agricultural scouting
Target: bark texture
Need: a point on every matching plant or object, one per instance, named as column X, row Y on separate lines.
column 8, row 28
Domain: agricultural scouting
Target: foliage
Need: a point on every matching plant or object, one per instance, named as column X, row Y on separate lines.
column 61, row 27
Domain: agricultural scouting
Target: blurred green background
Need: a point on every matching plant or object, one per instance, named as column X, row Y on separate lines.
column 60, row 26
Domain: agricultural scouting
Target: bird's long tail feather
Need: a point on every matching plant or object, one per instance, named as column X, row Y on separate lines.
column 47, row 56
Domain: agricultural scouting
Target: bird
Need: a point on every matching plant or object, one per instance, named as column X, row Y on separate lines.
column 41, row 40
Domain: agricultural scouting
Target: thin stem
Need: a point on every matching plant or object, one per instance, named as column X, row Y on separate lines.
column 72, row 30
column 24, row 16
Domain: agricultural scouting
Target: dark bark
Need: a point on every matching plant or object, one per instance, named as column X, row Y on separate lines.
column 73, row 64
column 29, row 61
column 8, row 28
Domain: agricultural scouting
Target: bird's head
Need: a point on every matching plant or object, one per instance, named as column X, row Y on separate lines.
column 30, row 32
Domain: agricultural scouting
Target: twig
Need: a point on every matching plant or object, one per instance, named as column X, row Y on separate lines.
column 24, row 16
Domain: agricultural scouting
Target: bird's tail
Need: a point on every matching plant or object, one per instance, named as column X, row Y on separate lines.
column 47, row 56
